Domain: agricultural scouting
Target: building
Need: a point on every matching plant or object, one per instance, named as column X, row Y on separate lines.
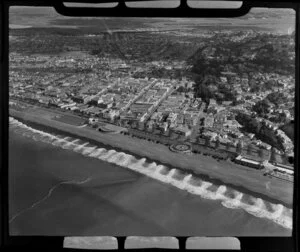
column 209, row 121
column 287, row 167
column 248, row 162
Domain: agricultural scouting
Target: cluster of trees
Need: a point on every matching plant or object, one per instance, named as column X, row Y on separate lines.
column 42, row 31
column 261, row 131
column 208, row 87
column 229, row 56
column 263, row 107
column 52, row 43
column 277, row 98
column 289, row 129
column 139, row 46
column 270, row 59
column 144, row 47
column 279, row 118
column 56, row 70
column 161, row 73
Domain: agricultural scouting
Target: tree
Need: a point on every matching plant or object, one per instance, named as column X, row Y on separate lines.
column 261, row 153
column 217, row 143
column 289, row 130
column 272, row 158
column 203, row 92
column 227, row 145
column 239, row 147
column 277, row 98
column 269, row 84
column 262, row 107
column 207, row 142
column 181, row 89
column 249, row 149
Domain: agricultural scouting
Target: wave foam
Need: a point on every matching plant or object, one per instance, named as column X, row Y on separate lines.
column 256, row 207
column 97, row 152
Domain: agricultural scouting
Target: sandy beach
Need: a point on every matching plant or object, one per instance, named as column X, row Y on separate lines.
column 220, row 172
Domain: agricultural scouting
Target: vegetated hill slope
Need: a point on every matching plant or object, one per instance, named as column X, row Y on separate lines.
column 261, row 131
column 289, row 130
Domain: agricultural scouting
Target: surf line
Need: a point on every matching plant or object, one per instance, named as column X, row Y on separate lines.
column 48, row 195
column 153, row 171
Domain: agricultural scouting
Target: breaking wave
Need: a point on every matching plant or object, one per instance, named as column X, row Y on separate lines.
column 229, row 198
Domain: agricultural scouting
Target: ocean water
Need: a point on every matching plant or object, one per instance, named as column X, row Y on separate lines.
column 59, row 185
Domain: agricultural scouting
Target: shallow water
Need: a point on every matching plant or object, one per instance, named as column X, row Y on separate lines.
column 63, row 186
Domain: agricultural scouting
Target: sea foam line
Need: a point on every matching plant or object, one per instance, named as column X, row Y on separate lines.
column 257, row 208
column 48, row 195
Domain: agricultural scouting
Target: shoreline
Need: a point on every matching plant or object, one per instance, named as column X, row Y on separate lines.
column 131, row 191
column 237, row 177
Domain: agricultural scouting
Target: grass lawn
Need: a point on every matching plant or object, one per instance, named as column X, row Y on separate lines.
column 72, row 120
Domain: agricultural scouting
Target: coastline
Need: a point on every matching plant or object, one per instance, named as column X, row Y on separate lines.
column 114, row 193
column 219, row 172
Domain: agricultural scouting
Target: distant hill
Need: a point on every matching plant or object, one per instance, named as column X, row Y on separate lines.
column 274, row 19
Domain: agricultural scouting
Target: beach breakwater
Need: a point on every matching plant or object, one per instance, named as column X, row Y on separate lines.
column 227, row 196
